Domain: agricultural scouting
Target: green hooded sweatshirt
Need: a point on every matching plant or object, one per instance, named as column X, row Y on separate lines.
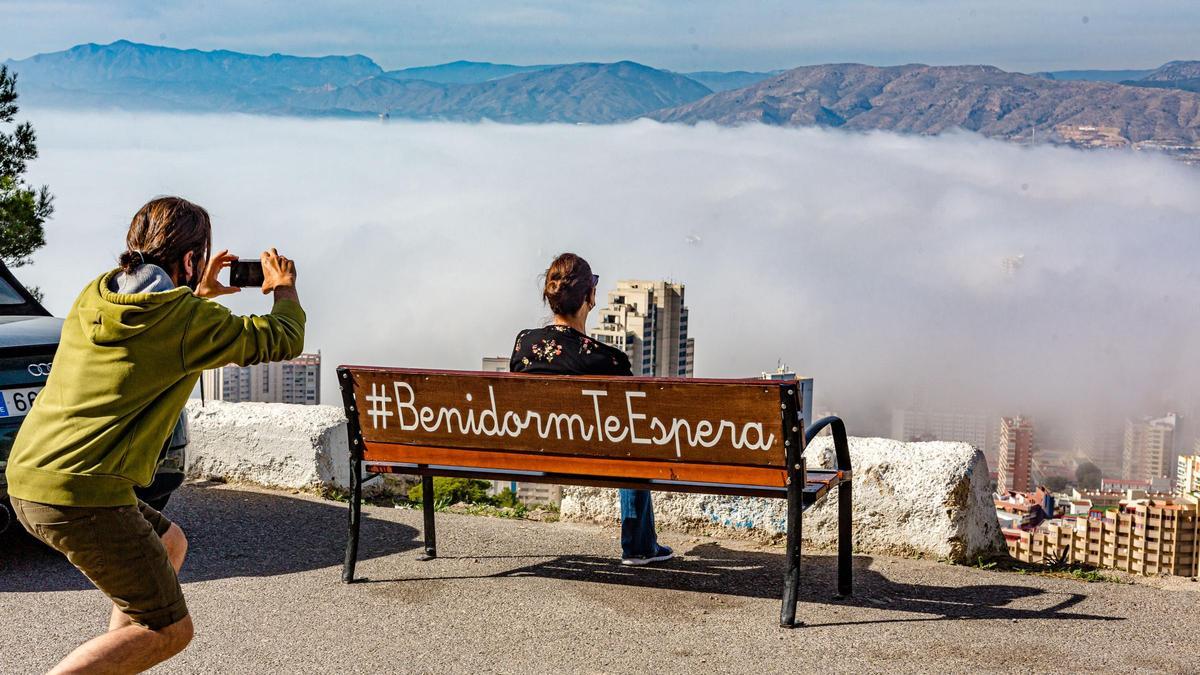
column 126, row 365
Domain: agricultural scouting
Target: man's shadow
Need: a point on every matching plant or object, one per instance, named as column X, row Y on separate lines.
column 231, row 533
column 713, row 569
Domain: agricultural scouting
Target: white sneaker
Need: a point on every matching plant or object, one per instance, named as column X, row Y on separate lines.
column 664, row 553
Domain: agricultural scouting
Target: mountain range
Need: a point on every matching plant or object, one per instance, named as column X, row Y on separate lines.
column 933, row 99
column 1161, row 106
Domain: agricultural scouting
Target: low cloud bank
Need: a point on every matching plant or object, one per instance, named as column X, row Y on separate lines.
column 950, row 272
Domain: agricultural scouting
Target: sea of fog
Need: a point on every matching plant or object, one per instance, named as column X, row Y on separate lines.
column 944, row 272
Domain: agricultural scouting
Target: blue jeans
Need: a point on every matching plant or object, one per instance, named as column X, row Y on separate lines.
column 637, row 525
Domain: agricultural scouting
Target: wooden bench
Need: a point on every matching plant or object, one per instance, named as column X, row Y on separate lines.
column 726, row 437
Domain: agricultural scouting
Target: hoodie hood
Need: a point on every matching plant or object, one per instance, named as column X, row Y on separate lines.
column 119, row 305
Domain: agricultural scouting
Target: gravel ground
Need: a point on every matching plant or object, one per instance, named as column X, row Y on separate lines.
column 263, row 583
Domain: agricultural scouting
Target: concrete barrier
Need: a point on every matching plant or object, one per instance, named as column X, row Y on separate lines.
column 910, row 499
column 270, row 444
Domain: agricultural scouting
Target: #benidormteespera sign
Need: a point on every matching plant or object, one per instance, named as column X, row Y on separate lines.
column 725, row 422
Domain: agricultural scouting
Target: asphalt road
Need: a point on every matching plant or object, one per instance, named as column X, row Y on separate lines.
column 263, row 583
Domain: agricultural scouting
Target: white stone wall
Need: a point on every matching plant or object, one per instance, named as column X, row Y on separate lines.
column 271, row 444
column 911, row 499
column 924, row 499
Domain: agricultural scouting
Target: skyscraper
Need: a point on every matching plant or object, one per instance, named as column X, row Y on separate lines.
column 1150, row 450
column 945, row 425
column 295, row 381
column 649, row 322
column 1015, row 449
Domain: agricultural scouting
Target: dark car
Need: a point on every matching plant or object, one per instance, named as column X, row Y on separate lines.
column 28, row 340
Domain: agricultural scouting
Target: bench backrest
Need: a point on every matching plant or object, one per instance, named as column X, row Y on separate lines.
column 707, row 431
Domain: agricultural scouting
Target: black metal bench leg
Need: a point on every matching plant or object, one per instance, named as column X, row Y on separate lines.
column 845, row 540
column 791, row 579
column 430, row 529
column 355, row 517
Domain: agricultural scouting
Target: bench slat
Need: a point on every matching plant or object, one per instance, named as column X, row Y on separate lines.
column 587, row 466
column 814, row 491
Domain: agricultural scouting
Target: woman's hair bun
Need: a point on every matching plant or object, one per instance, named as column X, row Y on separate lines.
column 568, row 282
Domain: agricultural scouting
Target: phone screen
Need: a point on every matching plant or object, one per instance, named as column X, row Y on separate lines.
column 244, row 273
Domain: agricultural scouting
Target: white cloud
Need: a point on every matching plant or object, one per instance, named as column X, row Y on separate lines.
column 872, row 262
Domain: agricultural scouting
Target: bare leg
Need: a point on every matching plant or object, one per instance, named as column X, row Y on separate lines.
column 131, row 649
column 176, row 545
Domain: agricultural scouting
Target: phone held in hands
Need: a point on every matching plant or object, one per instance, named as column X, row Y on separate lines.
column 244, row 273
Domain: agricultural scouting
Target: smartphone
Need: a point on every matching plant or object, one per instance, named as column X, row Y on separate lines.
column 244, row 273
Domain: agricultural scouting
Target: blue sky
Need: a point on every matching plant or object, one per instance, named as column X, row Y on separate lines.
column 681, row 35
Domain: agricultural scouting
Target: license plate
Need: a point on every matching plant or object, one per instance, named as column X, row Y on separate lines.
column 17, row 402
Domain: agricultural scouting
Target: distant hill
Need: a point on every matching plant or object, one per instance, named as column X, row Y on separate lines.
column 1183, row 75
column 722, row 81
column 136, row 76
column 1095, row 75
column 462, row 72
column 928, row 100
column 582, row 92
column 91, row 65
column 132, row 76
column 1174, row 71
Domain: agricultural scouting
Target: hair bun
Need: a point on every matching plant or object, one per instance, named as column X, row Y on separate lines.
column 568, row 282
column 130, row 260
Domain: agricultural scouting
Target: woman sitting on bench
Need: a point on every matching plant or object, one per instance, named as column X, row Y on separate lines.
column 563, row 348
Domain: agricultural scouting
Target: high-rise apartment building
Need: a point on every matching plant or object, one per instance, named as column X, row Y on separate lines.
column 529, row 493
column 495, row 364
column 649, row 322
column 294, row 381
column 1015, row 449
column 1102, row 442
column 964, row 427
column 1150, row 450
column 1187, row 474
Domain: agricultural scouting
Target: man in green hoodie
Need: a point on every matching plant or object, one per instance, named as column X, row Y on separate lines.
column 132, row 348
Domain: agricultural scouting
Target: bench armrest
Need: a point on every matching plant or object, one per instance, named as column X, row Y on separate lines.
column 841, row 447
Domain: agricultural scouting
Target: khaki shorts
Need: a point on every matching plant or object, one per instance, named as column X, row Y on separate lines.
column 119, row 548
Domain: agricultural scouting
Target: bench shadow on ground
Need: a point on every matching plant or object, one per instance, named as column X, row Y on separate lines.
column 231, row 533
column 711, row 568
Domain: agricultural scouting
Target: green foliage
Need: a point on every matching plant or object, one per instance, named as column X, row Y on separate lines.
column 334, row 493
column 507, row 498
column 985, row 564
column 1087, row 476
column 1058, row 566
column 1056, row 483
column 447, row 491
column 23, row 208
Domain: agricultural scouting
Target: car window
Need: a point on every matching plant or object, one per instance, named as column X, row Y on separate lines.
column 9, row 295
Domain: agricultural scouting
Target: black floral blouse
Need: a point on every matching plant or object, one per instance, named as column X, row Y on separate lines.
column 562, row 350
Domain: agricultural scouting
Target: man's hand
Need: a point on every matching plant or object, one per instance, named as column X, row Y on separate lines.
column 279, row 275
column 210, row 286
